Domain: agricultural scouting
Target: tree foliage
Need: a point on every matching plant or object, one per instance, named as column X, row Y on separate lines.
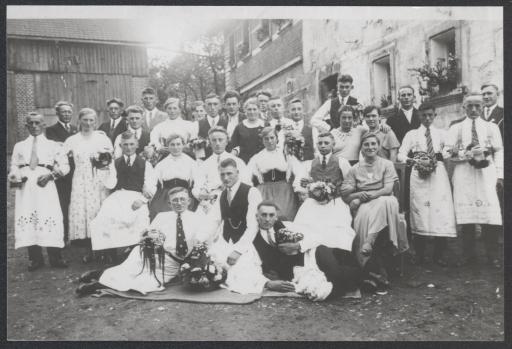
column 190, row 76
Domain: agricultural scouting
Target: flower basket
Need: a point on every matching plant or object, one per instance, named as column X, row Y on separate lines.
column 199, row 272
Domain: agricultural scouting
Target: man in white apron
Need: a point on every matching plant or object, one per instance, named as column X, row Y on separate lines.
column 474, row 184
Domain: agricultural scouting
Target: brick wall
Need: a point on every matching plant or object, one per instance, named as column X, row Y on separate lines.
column 274, row 54
column 24, row 85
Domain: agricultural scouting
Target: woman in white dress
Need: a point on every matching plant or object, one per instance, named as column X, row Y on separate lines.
column 176, row 170
column 90, row 186
column 273, row 172
column 431, row 201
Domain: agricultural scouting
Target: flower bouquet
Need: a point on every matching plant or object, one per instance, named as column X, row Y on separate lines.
column 294, row 143
column 199, row 272
column 16, row 180
column 321, row 191
column 151, row 154
column 424, row 163
column 312, row 283
column 478, row 156
column 101, row 159
column 152, row 250
column 198, row 146
column 284, row 235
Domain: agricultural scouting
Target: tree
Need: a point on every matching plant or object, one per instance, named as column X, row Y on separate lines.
column 190, row 76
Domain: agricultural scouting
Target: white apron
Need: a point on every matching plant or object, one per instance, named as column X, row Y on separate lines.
column 37, row 217
column 431, row 204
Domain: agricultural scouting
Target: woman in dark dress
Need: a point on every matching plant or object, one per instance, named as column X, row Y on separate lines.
column 246, row 140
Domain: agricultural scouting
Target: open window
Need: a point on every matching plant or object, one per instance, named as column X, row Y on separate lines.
column 328, row 87
column 382, row 81
column 443, row 59
column 241, row 42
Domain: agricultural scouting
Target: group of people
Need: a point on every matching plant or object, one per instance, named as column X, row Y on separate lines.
column 235, row 177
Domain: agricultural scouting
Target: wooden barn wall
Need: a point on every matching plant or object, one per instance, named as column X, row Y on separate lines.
column 11, row 112
column 83, row 90
column 64, row 57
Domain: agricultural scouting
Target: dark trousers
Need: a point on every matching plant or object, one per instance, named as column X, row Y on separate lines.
column 420, row 242
column 340, row 268
column 64, row 190
column 35, row 254
column 490, row 234
column 382, row 252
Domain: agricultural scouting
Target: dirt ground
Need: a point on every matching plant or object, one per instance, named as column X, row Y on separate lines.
column 463, row 304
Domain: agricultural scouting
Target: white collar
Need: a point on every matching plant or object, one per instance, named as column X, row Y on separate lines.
column 178, row 119
column 212, row 119
column 259, row 122
column 137, row 131
column 64, row 124
column 299, row 124
column 327, row 157
column 264, row 235
column 233, row 117
column 132, row 157
column 234, row 189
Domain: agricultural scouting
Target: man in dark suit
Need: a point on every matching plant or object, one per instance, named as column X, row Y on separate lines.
column 135, row 120
column 117, row 124
column 407, row 117
column 328, row 116
column 152, row 116
column 232, row 107
column 59, row 132
column 212, row 119
column 492, row 111
column 278, row 260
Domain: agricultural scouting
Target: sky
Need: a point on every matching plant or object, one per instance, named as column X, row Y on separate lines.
column 170, row 27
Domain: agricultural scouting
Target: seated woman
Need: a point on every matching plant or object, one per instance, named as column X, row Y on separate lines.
column 176, row 170
column 179, row 232
column 124, row 214
column 273, row 171
column 246, row 140
column 368, row 190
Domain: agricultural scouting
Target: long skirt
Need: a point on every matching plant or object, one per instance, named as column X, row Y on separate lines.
column 374, row 216
column 431, row 203
column 474, row 195
column 117, row 224
column 329, row 224
column 129, row 275
column 37, row 214
column 246, row 275
column 281, row 193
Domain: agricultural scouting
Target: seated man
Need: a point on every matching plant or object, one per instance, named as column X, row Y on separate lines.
column 233, row 217
column 124, row 214
column 368, row 189
column 278, row 260
column 180, row 228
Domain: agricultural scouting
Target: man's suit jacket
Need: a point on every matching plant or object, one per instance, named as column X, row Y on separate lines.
column 159, row 117
column 58, row 133
column 120, row 128
column 204, row 127
column 400, row 125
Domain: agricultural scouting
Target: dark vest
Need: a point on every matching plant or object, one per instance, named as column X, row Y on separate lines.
column 204, row 127
column 273, row 259
column 235, row 216
column 335, row 109
column 130, row 177
column 331, row 173
column 309, row 151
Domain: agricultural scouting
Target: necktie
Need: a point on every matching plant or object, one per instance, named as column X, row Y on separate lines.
column 474, row 135
column 181, row 243
column 342, row 101
column 486, row 113
column 128, row 161
column 218, row 159
column 430, row 147
column 230, row 196
column 324, row 162
column 112, row 126
column 67, row 127
column 148, row 118
column 33, row 155
column 269, row 238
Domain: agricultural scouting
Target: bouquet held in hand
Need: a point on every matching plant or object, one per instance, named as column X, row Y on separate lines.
column 199, row 272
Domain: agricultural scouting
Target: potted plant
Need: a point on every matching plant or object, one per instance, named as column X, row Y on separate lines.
column 385, row 101
column 440, row 78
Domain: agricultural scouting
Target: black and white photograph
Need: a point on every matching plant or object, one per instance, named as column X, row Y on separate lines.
column 254, row 173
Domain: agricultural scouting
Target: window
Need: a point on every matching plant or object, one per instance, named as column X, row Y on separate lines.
column 262, row 31
column 241, row 42
column 382, row 81
column 328, row 87
column 442, row 57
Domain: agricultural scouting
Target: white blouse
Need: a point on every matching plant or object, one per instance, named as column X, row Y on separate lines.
column 187, row 129
column 182, row 167
column 265, row 161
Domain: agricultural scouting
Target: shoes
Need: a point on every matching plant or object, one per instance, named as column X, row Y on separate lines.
column 88, row 288
column 62, row 264
column 88, row 276
column 34, row 265
column 369, row 286
column 379, row 279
